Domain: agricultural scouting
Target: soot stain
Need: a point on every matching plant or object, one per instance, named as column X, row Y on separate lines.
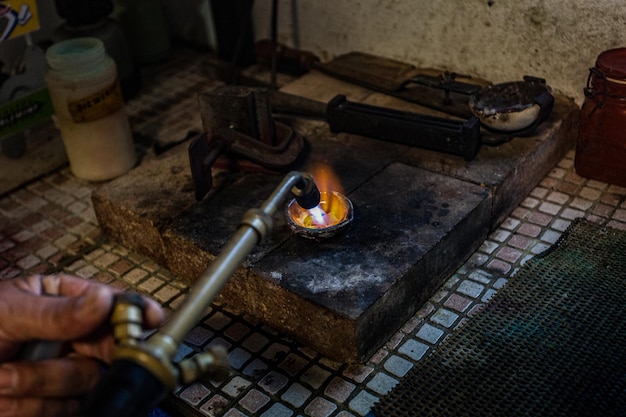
column 427, row 207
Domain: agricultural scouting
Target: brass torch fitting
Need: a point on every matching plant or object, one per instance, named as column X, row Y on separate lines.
column 127, row 319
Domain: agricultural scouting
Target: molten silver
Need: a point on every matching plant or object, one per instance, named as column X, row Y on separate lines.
column 337, row 214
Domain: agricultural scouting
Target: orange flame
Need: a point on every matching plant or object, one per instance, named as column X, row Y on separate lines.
column 331, row 210
column 325, row 179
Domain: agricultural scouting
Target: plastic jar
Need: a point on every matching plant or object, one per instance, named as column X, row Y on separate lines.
column 601, row 145
column 115, row 45
column 89, row 109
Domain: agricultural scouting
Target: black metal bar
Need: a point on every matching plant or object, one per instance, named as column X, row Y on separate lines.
column 458, row 137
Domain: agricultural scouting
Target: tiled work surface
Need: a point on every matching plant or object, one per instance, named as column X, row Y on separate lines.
column 49, row 226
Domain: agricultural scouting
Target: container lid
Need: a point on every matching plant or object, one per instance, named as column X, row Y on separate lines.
column 75, row 55
column 613, row 63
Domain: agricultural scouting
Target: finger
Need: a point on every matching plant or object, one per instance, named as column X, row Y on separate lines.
column 38, row 407
column 102, row 349
column 80, row 308
column 68, row 285
column 61, row 284
column 153, row 314
column 70, row 376
column 25, row 315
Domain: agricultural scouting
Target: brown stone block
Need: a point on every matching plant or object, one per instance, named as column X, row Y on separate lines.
column 135, row 208
column 412, row 228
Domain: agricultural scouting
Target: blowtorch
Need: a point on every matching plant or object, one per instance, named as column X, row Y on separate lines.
column 143, row 371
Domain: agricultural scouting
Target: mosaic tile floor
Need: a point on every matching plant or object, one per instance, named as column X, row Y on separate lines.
column 49, row 226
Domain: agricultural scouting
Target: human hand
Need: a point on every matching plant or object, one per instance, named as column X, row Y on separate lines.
column 78, row 315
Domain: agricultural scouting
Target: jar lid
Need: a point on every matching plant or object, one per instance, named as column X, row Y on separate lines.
column 613, row 63
column 75, row 54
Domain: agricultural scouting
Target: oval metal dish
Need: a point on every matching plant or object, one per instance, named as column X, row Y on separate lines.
column 293, row 211
column 512, row 106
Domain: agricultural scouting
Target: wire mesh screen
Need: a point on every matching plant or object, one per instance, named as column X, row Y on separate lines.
column 551, row 343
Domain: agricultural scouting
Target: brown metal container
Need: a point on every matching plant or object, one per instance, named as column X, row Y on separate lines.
column 601, row 146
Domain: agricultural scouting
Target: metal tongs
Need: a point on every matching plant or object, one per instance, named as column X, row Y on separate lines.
column 453, row 136
column 239, row 125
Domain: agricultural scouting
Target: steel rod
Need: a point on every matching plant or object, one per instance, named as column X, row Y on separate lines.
column 212, row 281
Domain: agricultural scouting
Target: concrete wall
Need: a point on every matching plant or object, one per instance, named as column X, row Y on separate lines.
column 500, row 40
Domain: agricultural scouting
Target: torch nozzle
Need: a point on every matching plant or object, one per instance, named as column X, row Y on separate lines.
column 306, row 192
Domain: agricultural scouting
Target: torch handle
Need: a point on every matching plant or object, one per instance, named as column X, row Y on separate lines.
column 454, row 136
column 458, row 137
column 127, row 390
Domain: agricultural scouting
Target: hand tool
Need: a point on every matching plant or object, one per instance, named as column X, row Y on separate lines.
column 453, row 136
column 506, row 110
column 238, row 122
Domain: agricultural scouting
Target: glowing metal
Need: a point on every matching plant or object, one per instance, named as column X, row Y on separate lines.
column 331, row 216
column 319, row 216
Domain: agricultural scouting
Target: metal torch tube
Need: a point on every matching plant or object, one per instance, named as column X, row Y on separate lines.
column 273, row 201
column 212, row 281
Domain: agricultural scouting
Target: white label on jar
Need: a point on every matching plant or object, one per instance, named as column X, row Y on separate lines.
column 97, row 105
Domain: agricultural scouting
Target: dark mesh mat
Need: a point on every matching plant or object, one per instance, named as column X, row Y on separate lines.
column 551, row 343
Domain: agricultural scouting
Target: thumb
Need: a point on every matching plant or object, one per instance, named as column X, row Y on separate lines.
column 27, row 316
